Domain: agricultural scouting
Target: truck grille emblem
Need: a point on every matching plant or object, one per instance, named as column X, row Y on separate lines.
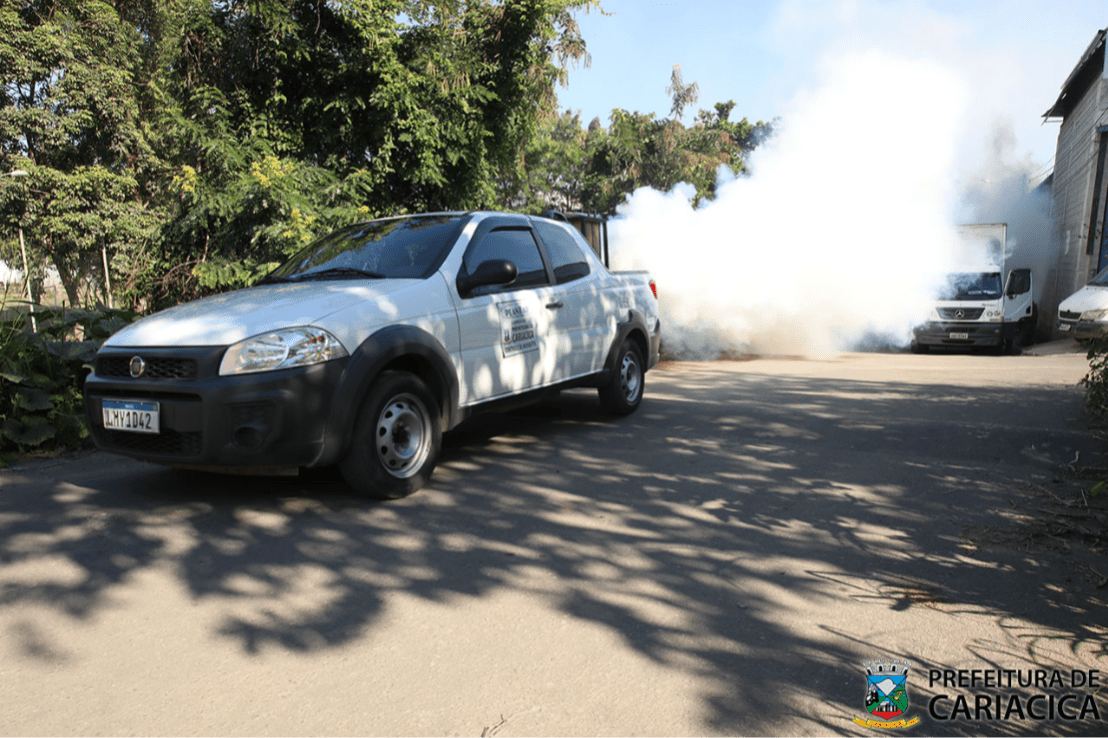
column 138, row 366
column 959, row 314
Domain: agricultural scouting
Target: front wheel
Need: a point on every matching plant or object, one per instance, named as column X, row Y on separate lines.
column 397, row 438
column 623, row 391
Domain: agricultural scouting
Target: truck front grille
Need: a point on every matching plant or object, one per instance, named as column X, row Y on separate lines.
column 1069, row 315
column 966, row 313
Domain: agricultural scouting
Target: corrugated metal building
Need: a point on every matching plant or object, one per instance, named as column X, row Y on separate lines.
column 1080, row 179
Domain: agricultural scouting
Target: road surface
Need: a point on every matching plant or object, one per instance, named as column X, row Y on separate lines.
column 721, row 562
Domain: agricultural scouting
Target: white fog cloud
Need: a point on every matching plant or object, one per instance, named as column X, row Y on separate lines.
column 842, row 229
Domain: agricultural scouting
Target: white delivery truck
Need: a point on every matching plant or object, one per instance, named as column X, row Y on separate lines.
column 984, row 303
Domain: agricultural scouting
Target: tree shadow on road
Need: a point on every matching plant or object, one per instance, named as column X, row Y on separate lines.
column 748, row 529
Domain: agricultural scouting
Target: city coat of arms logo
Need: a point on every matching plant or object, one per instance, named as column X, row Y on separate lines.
column 887, row 694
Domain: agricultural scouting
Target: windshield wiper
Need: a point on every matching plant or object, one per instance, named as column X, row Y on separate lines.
column 339, row 273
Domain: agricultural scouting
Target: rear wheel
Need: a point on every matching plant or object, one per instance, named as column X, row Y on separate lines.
column 623, row 392
column 397, row 438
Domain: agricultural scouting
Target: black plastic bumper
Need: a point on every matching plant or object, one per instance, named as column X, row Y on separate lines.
column 263, row 421
column 1081, row 329
column 967, row 335
column 655, row 346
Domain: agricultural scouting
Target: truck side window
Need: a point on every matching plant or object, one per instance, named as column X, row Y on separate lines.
column 564, row 252
column 514, row 244
column 1019, row 282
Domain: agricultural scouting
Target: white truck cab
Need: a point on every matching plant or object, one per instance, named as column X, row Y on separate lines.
column 982, row 304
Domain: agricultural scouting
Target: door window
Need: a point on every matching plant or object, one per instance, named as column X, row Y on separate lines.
column 565, row 253
column 518, row 246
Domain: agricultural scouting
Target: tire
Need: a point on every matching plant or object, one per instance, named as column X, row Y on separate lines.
column 623, row 392
column 397, row 438
column 919, row 348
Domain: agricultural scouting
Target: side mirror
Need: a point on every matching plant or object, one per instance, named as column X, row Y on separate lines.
column 493, row 272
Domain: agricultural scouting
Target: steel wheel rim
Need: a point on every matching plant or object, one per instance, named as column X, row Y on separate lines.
column 630, row 378
column 403, row 436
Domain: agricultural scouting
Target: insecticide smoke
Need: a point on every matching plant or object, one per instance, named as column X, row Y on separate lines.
column 842, row 230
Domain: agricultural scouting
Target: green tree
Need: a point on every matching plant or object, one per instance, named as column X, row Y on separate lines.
column 70, row 116
column 350, row 109
column 682, row 94
column 596, row 169
column 555, row 172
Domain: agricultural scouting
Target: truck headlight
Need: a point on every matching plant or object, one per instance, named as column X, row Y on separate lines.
column 283, row 349
column 1094, row 316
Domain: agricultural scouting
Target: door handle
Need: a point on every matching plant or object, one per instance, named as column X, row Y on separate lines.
column 555, row 305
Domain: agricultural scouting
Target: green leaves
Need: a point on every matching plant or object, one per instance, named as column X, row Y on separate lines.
column 593, row 169
column 223, row 275
column 41, row 373
column 1096, row 390
column 294, row 117
column 32, row 430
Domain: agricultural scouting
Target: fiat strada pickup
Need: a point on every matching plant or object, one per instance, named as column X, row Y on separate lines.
column 362, row 349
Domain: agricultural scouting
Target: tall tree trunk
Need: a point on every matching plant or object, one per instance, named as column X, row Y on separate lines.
column 70, row 281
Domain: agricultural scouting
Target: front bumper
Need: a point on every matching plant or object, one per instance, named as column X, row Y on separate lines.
column 267, row 421
column 962, row 335
column 1081, row 329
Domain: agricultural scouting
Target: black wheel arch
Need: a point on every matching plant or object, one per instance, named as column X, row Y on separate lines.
column 636, row 329
column 394, row 348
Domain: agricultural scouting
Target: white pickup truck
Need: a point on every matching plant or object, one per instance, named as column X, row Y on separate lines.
column 363, row 348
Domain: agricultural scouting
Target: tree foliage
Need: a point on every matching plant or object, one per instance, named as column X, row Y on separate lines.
column 297, row 116
column 594, row 169
column 189, row 145
column 70, row 116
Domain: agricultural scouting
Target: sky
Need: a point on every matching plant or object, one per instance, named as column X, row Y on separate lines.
column 1013, row 57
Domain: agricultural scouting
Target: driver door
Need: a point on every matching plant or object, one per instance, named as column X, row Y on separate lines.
column 503, row 329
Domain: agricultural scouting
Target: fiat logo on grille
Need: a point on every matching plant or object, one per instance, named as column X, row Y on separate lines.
column 138, row 366
column 959, row 314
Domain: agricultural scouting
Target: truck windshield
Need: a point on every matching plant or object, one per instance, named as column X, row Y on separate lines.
column 972, row 286
column 395, row 248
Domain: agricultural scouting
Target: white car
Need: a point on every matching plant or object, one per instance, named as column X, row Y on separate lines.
column 363, row 348
column 1084, row 314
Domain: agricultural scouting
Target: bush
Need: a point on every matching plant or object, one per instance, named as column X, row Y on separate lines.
column 1096, row 381
column 42, row 374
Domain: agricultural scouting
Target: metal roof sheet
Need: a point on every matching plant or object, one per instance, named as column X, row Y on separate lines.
column 1091, row 64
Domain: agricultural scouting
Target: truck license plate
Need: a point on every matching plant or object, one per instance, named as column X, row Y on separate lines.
column 133, row 416
column 959, row 336
column 1064, row 327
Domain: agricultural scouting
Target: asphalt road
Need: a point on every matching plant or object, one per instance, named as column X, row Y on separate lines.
column 721, row 562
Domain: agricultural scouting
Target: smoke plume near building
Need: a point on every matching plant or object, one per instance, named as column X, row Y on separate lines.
column 841, row 232
column 1000, row 191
